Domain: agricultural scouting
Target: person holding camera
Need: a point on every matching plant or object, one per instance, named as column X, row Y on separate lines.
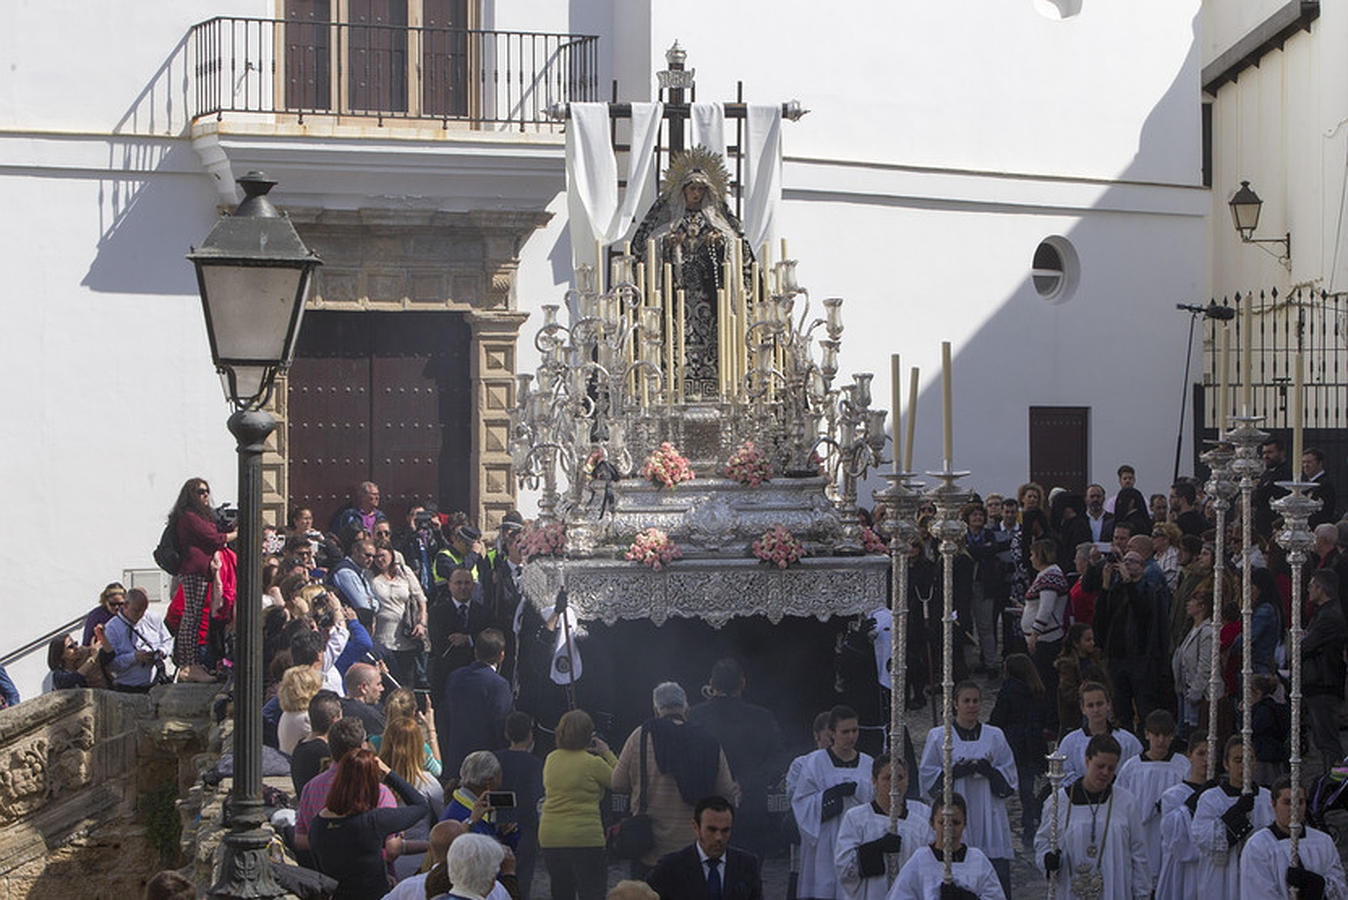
column 198, row 537
column 420, row 544
column 139, row 643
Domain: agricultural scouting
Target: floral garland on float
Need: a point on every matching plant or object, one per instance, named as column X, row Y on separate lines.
column 778, row 547
column 653, row 548
column 667, row 467
column 749, row 465
column 543, row 540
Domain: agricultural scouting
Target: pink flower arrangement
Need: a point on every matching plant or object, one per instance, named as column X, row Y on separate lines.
column 872, row 542
column 543, row 540
column 653, row 548
column 748, row 465
column 667, row 467
column 779, row 547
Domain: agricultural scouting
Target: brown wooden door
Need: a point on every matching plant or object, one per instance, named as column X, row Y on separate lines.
column 444, row 58
column 1059, row 447
column 308, row 54
column 383, row 397
column 377, row 57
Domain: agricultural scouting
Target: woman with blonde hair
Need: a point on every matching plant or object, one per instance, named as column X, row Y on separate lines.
column 298, row 686
column 401, row 749
column 1165, row 538
column 402, row 704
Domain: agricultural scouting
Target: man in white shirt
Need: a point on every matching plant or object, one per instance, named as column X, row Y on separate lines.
column 140, row 643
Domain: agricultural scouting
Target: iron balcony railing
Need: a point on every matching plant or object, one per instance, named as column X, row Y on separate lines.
column 1314, row 322
column 488, row 79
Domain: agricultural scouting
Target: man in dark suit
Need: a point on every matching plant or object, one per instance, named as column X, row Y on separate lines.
column 452, row 621
column 478, row 700
column 1100, row 521
column 753, row 748
column 709, row 868
column 1313, row 470
column 1276, row 469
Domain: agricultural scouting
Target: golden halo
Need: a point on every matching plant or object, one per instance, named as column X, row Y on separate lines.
column 699, row 159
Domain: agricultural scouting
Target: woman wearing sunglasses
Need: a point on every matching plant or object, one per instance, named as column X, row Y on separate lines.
column 73, row 666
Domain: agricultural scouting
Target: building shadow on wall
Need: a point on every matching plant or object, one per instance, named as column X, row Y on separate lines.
column 144, row 221
column 1030, row 341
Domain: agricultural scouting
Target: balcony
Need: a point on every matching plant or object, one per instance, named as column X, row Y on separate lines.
column 283, row 71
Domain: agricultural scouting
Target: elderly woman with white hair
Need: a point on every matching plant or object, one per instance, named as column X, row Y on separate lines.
column 683, row 764
column 473, row 861
column 480, row 774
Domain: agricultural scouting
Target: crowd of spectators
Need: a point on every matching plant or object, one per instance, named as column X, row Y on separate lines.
column 415, row 642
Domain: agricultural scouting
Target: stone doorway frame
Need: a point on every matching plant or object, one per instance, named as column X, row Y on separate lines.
column 425, row 260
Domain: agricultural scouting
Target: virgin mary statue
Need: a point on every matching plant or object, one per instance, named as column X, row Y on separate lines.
column 693, row 229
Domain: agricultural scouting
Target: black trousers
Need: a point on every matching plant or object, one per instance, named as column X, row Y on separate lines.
column 577, row 873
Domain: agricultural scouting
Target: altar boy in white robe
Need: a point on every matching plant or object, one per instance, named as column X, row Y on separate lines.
column 1101, row 854
column 1148, row 775
column 830, row 782
column 1266, row 871
column 1177, row 877
column 972, row 875
column 1223, row 820
column 1096, row 710
column 868, row 856
column 984, row 772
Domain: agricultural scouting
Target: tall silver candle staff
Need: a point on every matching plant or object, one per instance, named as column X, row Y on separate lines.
column 948, row 527
column 1247, row 467
column 1296, row 538
column 901, row 500
column 1221, row 488
column 1056, row 760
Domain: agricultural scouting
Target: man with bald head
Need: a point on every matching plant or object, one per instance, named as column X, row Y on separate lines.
column 1132, row 627
column 364, row 686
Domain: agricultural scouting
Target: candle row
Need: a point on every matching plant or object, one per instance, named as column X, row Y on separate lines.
column 947, row 411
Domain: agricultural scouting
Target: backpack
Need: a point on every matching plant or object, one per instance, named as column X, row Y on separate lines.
column 166, row 555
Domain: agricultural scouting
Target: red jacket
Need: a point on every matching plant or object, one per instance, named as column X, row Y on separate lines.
column 229, row 580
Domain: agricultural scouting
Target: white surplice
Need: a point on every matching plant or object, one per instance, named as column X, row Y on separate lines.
column 1218, row 861
column 1073, row 746
column 863, row 824
column 988, row 827
column 1264, row 862
column 1147, row 780
column 818, row 772
column 1177, row 876
column 1118, row 865
column 923, row 874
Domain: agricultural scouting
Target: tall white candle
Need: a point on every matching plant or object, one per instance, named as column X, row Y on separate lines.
column 1247, row 356
column 947, row 408
column 1298, row 402
column 895, row 395
column 1224, row 385
column 911, row 424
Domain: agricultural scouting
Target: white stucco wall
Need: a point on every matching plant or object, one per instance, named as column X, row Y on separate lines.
column 981, row 130
column 1283, row 126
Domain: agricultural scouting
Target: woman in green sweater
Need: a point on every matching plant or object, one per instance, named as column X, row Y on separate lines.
column 570, row 830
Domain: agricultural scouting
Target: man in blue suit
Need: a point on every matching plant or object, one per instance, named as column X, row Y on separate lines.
column 477, row 701
column 709, row 868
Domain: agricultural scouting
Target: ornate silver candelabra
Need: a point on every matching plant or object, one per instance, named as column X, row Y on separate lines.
column 901, row 500
column 1247, row 467
column 1221, row 487
column 948, row 528
column 1056, row 760
column 1296, row 538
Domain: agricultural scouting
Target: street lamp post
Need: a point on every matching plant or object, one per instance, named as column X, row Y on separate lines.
column 254, row 273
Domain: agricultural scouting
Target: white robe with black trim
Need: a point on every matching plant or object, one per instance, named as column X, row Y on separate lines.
column 863, row 824
column 1073, row 746
column 818, row 876
column 1218, row 861
column 1121, row 854
column 923, row 874
column 1177, row 877
column 1147, row 780
column 1264, row 862
column 988, row 827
